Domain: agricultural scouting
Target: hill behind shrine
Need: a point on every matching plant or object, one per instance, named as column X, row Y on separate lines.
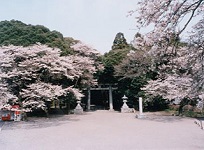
column 20, row 34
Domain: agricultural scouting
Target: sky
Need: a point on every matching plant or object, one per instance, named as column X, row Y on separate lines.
column 94, row 22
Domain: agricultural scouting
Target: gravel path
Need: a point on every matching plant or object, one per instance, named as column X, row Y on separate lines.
column 103, row 130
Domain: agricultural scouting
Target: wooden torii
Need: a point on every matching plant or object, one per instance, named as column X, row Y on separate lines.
column 109, row 88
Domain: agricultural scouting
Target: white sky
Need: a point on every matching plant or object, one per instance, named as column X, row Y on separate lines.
column 95, row 22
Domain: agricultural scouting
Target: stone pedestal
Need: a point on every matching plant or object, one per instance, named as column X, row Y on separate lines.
column 140, row 115
column 78, row 110
column 125, row 108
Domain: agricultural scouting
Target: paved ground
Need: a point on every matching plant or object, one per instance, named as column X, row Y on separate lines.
column 103, row 130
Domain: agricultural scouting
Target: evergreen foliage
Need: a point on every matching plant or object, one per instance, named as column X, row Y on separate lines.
column 115, row 56
column 20, row 34
column 119, row 41
column 129, row 80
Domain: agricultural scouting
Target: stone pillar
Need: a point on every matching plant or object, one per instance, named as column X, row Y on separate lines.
column 125, row 108
column 110, row 98
column 140, row 105
column 140, row 115
column 78, row 110
column 89, row 99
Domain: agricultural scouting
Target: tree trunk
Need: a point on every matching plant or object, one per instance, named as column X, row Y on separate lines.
column 68, row 106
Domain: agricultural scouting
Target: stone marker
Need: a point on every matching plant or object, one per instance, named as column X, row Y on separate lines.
column 140, row 115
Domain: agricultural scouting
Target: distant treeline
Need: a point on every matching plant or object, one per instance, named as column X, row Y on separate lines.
column 20, row 34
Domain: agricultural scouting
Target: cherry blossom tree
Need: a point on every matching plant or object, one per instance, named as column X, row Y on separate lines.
column 174, row 75
column 38, row 93
column 179, row 65
column 92, row 56
column 167, row 17
column 180, row 75
column 38, row 74
column 6, row 97
column 83, row 49
column 196, row 57
column 170, row 88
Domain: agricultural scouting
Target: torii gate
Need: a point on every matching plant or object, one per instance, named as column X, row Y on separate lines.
column 109, row 88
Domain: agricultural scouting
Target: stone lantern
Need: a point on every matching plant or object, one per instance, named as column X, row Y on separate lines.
column 125, row 108
column 78, row 109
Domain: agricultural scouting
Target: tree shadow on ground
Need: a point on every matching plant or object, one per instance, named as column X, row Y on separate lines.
column 163, row 119
column 200, row 118
column 200, row 122
column 40, row 122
